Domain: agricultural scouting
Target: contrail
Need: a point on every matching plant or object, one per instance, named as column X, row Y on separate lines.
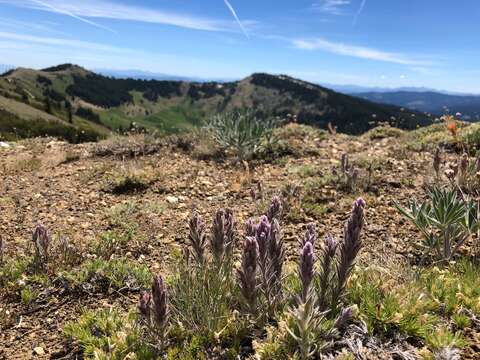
column 68, row 13
column 232, row 10
column 360, row 9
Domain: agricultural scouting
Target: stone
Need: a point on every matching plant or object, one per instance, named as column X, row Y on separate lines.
column 171, row 199
column 39, row 350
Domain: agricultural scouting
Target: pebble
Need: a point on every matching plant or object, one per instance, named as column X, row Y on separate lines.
column 39, row 350
column 171, row 199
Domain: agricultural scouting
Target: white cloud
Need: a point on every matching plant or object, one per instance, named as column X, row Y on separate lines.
column 356, row 51
column 237, row 19
column 333, row 7
column 53, row 8
column 59, row 42
column 359, row 12
column 110, row 10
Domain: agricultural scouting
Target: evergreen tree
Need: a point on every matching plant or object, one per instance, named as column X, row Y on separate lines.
column 48, row 105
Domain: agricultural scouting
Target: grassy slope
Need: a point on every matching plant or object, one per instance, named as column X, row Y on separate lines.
column 177, row 112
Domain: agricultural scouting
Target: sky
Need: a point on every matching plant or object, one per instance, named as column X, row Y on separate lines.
column 386, row 43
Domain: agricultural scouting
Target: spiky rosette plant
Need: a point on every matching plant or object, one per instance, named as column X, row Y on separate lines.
column 41, row 239
column 197, row 237
column 446, row 221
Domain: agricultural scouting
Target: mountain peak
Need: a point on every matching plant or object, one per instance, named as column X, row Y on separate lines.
column 64, row 67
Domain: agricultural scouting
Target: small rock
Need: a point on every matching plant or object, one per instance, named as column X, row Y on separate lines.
column 4, row 145
column 171, row 199
column 39, row 350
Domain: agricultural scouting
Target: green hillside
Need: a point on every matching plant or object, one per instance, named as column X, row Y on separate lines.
column 77, row 98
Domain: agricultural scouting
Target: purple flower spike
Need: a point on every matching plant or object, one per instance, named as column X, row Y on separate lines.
column 250, row 228
column 329, row 251
column 310, row 235
column 42, row 239
column 223, row 234
column 247, row 274
column 276, row 254
column 350, row 247
column 159, row 302
column 306, row 272
column 263, row 237
column 275, row 209
column 144, row 305
column 197, row 237
column 343, row 318
column 330, row 246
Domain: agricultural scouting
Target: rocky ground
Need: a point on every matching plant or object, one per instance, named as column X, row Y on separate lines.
column 71, row 190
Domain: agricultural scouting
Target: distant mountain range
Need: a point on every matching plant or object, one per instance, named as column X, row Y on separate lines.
column 422, row 99
column 147, row 75
column 83, row 102
column 358, row 89
column 431, row 102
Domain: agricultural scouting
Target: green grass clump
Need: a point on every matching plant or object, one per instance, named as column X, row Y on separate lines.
column 108, row 334
column 12, row 271
column 430, row 305
column 116, row 273
column 384, row 131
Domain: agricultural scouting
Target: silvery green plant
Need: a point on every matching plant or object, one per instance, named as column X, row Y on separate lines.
column 242, row 131
column 41, row 239
column 445, row 220
column 197, row 237
column 306, row 323
column 447, row 353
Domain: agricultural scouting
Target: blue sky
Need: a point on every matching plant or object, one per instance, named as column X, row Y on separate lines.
column 432, row 43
